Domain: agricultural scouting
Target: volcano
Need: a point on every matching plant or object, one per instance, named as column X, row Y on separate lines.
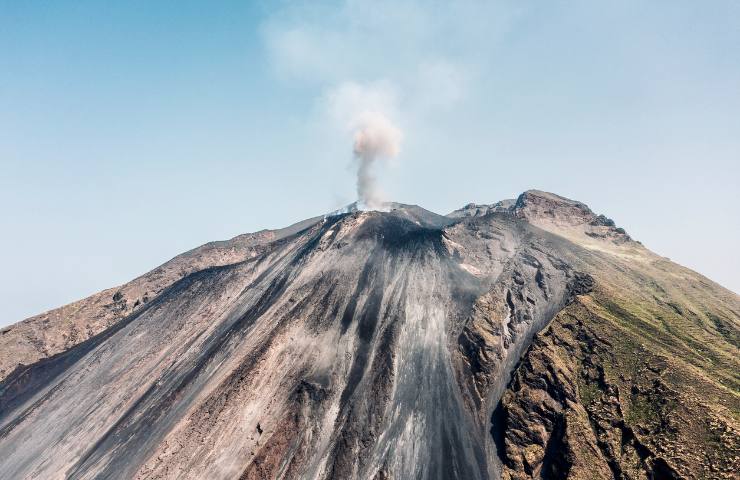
column 529, row 338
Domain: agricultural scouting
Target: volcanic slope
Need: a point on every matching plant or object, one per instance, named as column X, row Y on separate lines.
column 530, row 338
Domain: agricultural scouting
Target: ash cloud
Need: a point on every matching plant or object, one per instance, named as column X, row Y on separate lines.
column 366, row 113
column 376, row 138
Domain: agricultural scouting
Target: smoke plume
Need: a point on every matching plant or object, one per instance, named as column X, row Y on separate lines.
column 375, row 138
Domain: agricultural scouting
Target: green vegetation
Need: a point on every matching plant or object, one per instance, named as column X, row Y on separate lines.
column 587, row 392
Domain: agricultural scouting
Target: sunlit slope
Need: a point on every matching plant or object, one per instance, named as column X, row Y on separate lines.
column 638, row 379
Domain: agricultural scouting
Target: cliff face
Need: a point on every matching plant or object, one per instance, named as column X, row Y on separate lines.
column 525, row 339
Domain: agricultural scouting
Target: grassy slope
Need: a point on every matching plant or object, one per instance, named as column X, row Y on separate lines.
column 648, row 365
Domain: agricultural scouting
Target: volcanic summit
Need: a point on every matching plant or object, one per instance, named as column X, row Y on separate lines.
column 528, row 338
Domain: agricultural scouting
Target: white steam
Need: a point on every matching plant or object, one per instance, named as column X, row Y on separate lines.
column 375, row 138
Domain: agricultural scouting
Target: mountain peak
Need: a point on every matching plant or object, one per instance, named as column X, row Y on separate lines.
column 551, row 212
column 556, row 213
column 385, row 344
column 538, row 204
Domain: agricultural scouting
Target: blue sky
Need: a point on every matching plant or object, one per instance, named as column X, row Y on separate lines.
column 133, row 131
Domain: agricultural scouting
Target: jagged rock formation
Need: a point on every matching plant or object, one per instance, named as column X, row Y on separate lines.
column 530, row 338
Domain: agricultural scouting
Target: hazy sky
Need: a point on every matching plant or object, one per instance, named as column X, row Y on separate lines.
column 133, row 131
